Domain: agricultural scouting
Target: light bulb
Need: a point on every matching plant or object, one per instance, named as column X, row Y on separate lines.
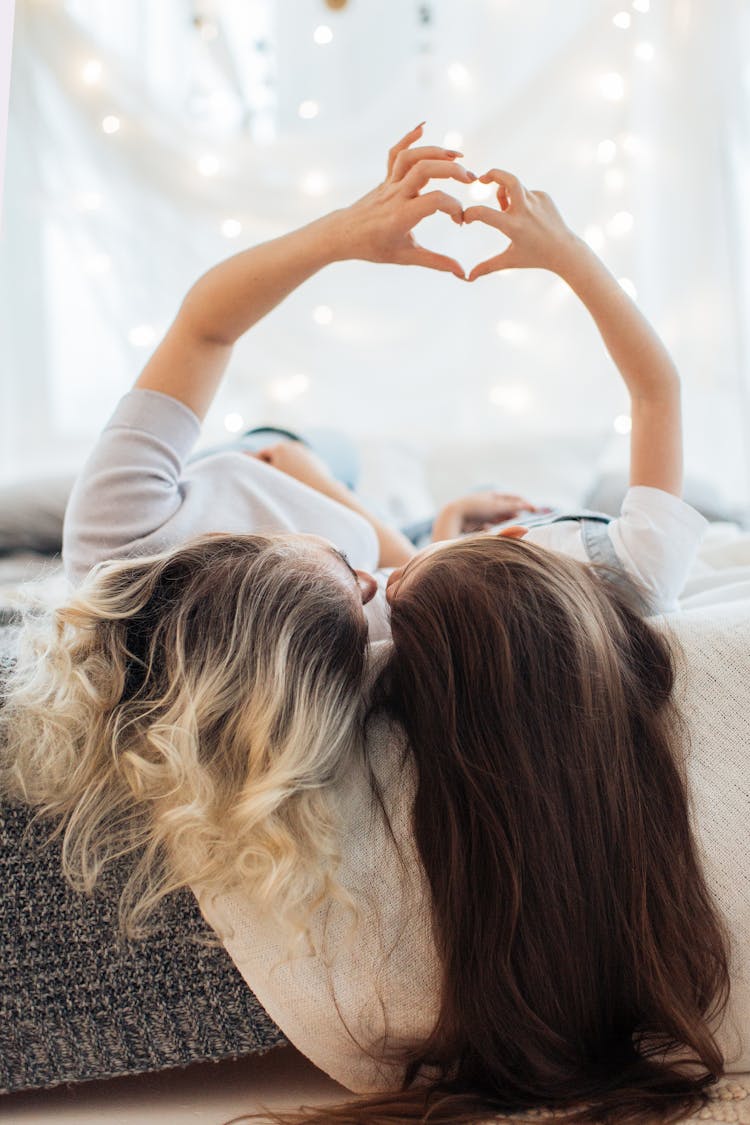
column 110, row 124
column 622, row 424
column 642, row 5
column 322, row 35
column 645, row 51
column 91, row 72
column 230, row 228
column 622, row 20
column 314, row 183
column 459, row 75
column 322, row 314
column 606, row 151
column 612, row 86
column 233, row 422
column 308, row 109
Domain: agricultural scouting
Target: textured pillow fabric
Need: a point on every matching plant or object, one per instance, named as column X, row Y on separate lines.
column 77, row 1002
column 31, row 514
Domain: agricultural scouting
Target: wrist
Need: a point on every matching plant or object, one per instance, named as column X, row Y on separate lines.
column 331, row 232
column 448, row 522
column 571, row 254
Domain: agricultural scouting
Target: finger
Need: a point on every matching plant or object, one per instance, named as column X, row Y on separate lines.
column 489, row 215
column 425, row 170
column 504, row 179
column 503, row 261
column 419, row 256
column 407, row 158
column 404, row 143
column 433, row 201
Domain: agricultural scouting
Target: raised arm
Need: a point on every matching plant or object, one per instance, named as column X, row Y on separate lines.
column 540, row 238
column 233, row 296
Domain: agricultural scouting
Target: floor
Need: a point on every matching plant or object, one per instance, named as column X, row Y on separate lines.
column 202, row 1094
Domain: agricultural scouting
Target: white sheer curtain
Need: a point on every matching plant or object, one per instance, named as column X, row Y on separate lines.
column 634, row 115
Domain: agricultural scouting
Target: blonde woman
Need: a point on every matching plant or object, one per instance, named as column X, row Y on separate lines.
column 195, row 696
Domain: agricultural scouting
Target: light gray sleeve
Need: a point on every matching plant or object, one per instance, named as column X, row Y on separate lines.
column 131, row 483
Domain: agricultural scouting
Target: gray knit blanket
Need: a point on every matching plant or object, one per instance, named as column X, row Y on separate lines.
column 78, row 1002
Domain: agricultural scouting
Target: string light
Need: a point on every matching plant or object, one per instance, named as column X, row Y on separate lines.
column 594, row 236
column 606, row 151
column 322, row 35
column 308, row 109
column 642, row 5
column 91, row 72
column 644, row 51
column 512, row 331
column 620, row 224
column 230, row 228
column 234, row 422
column 622, row 424
column 453, row 139
column 208, row 164
column 626, row 284
column 514, row 399
column 622, row 20
column 459, row 75
column 322, row 314
column 612, row 86
column 110, row 124
column 285, row 390
column 314, row 183
column 142, row 336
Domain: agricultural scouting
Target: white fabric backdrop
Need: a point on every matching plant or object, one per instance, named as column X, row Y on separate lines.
column 105, row 232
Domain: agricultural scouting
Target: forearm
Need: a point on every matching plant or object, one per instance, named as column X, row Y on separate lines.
column 645, row 365
column 448, row 523
column 227, row 301
column 395, row 548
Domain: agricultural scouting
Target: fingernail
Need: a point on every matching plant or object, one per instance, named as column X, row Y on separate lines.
column 450, row 152
column 421, row 123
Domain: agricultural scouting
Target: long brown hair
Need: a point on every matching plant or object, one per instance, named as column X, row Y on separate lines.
column 583, row 958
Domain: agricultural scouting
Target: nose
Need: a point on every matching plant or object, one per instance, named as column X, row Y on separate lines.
column 393, row 580
column 367, row 584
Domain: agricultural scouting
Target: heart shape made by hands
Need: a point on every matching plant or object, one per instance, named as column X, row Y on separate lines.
column 470, row 242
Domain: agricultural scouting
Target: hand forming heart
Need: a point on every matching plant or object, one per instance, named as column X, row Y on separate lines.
column 378, row 227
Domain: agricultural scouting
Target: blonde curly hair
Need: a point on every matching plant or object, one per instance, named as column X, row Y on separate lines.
column 191, row 710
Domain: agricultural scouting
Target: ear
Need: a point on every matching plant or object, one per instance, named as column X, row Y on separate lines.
column 514, row 532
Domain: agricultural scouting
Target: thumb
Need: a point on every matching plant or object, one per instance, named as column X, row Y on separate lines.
column 420, row 256
column 491, row 216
